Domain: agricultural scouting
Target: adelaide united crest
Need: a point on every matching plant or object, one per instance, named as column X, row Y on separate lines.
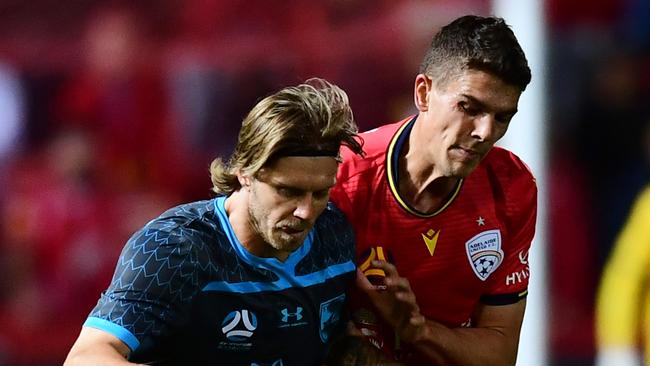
column 484, row 253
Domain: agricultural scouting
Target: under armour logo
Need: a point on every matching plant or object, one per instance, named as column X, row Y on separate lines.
column 286, row 314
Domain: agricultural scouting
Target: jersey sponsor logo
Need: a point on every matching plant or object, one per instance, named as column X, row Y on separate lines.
column 431, row 240
column 291, row 319
column 517, row 277
column 484, row 253
column 330, row 316
column 238, row 326
column 521, row 275
column 523, row 257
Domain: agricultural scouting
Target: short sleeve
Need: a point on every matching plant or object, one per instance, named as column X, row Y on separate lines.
column 519, row 207
column 154, row 281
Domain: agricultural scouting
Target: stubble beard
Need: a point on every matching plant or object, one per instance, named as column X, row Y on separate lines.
column 463, row 171
column 277, row 242
column 459, row 169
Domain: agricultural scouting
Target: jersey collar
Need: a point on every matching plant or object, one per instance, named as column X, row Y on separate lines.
column 272, row 264
column 392, row 170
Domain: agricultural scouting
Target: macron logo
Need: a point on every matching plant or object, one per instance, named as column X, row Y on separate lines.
column 431, row 240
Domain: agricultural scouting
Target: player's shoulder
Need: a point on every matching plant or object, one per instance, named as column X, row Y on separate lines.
column 334, row 226
column 179, row 241
column 640, row 209
column 375, row 146
column 510, row 176
column 507, row 166
column 333, row 218
column 378, row 139
column 186, row 212
column 644, row 197
column 334, row 241
column 187, row 224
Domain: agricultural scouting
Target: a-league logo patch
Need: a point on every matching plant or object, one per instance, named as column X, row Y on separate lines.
column 238, row 327
column 484, row 253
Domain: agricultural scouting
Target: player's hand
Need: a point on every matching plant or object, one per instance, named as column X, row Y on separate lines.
column 395, row 302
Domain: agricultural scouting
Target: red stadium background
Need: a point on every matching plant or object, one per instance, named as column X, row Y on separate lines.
column 111, row 112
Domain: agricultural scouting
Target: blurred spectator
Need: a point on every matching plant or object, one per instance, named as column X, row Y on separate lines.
column 623, row 304
column 11, row 112
column 118, row 96
column 56, row 247
column 609, row 144
column 572, row 270
column 598, row 108
column 61, row 237
column 634, row 23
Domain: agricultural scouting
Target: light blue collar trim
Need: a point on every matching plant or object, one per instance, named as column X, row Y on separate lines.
column 272, row 264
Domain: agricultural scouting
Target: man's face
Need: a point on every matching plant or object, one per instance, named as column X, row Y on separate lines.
column 463, row 119
column 287, row 196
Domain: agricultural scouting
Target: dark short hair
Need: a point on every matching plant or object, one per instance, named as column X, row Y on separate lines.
column 475, row 42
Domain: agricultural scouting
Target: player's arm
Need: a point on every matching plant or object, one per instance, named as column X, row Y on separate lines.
column 493, row 340
column 111, row 331
column 96, row 347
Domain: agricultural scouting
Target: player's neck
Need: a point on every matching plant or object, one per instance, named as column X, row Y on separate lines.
column 421, row 185
column 237, row 210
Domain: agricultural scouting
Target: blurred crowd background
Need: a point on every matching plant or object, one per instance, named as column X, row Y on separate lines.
column 110, row 112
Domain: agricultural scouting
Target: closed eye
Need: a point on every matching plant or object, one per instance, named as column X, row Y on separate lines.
column 321, row 194
column 504, row 118
column 468, row 109
column 288, row 192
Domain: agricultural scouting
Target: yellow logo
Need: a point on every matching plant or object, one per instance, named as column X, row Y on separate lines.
column 431, row 239
column 366, row 267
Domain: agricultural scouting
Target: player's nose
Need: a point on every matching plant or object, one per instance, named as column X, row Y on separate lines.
column 484, row 127
column 305, row 207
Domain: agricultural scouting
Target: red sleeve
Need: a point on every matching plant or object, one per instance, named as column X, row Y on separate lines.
column 519, row 205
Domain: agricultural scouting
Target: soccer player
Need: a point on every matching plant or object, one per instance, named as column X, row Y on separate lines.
column 452, row 215
column 623, row 302
column 255, row 276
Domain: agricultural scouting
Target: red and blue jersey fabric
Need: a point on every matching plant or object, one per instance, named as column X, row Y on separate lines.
column 473, row 249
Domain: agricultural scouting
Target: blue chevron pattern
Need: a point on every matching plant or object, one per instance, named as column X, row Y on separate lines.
column 165, row 265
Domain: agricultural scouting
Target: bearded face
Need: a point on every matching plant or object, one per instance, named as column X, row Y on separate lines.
column 286, row 198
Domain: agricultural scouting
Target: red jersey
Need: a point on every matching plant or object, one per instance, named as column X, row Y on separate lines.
column 473, row 249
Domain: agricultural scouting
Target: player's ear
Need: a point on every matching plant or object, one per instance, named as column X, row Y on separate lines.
column 243, row 179
column 421, row 93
